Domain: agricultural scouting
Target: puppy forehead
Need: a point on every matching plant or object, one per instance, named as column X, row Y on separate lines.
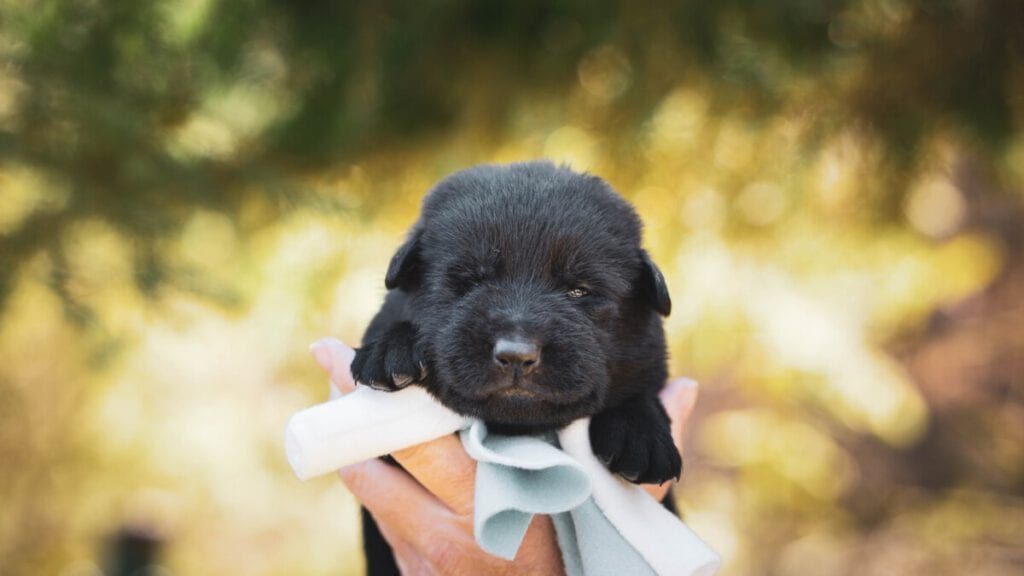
column 535, row 201
column 527, row 247
column 531, row 218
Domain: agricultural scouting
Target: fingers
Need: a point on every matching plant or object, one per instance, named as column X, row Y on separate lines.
column 444, row 469
column 541, row 542
column 678, row 397
column 335, row 358
column 441, row 466
column 394, row 498
column 427, row 538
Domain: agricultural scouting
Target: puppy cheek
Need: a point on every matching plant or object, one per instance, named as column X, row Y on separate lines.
column 575, row 360
column 604, row 315
column 464, row 350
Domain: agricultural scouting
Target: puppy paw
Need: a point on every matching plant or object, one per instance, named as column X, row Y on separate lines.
column 390, row 362
column 634, row 441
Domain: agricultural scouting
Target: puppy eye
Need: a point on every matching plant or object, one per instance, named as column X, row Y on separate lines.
column 578, row 292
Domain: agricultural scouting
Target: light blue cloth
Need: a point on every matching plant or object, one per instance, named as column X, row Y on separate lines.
column 519, row 476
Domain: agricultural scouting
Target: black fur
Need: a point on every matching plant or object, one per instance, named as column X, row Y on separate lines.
column 522, row 296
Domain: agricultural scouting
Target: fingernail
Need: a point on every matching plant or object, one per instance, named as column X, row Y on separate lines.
column 322, row 355
column 685, row 383
column 679, row 390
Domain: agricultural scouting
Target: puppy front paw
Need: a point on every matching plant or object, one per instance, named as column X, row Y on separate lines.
column 634, row 441
column 390, row 362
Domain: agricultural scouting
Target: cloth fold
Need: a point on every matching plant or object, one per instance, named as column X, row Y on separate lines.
column 517, row 477
column 604, row 524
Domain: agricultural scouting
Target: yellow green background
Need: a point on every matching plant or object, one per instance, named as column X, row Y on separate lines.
column 192, row 191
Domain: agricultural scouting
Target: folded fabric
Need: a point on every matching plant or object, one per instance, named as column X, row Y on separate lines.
column 520, row 476
column 364, row 424
column 604, row 524
column 660, row 537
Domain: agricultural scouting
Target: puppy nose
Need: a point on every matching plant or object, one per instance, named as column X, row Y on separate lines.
column 517, row 353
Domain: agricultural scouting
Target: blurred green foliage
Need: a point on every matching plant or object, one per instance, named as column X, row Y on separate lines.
column 191, row 190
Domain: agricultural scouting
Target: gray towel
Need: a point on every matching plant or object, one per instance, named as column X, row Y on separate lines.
column 605, row 525
column 519, row 476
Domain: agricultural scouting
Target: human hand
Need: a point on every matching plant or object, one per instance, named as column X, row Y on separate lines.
column 425, row 511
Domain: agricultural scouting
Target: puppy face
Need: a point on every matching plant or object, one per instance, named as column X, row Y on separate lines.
column 525, row 278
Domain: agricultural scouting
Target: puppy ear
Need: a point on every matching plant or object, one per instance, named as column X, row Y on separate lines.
column 404, row 270
column 652, row 286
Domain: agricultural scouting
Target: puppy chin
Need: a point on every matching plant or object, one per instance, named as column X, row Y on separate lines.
column 523, row 415
column 523, row 407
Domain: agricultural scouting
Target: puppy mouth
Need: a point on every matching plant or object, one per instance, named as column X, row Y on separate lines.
column 514, row 392
column 522, row 406
column 523, row 388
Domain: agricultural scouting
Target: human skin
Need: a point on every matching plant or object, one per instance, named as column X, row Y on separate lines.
column 425, row 509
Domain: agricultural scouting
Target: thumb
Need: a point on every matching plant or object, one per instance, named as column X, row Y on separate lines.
column 679, row 397
column 336, row 359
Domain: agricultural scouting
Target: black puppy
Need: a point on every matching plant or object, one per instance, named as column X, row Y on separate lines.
column 522, row 297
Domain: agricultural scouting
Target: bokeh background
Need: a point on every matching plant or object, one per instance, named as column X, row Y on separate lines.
column 192, row 191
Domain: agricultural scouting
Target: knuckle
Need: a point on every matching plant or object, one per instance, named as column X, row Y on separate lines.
column 444, row 553
column 356, row 477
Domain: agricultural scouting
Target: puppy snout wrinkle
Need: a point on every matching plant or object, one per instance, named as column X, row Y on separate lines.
column 517, row 354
